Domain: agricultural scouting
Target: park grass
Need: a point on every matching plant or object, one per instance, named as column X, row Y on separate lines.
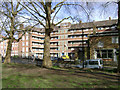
column 29, row 76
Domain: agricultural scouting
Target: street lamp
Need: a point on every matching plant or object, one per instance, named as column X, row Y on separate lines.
column 83, row 48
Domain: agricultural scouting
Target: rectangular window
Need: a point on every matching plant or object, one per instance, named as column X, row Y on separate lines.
column 26, row 54
column 98, row 54
column 26, row 49
column 99, row 28
column 26, row 37
column 23, row 44
column 23, row 49
column 110, row 53
column 93, row 62
column 114, row 39
column 26, row 43
column 104, row 53
column 23, row 38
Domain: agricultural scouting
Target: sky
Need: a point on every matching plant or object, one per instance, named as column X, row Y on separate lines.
column 98, row 12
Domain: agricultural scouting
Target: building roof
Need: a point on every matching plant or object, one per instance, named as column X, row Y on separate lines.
column 107, row 33
column 104, row 23
column 96, row 23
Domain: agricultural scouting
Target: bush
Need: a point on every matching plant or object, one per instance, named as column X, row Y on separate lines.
column 16, row 56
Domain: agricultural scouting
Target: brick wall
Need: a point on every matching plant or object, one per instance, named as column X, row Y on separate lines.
column 107, row 44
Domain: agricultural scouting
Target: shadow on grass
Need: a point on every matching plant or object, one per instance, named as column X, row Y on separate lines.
column 98, row 75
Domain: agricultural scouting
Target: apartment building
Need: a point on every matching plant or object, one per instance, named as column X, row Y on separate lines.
column 105, row 45
column 3, row 47
column 66, row 39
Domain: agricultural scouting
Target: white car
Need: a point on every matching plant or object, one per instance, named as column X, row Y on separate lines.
column 92, row 63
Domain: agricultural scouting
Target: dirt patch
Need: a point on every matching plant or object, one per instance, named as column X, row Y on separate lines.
column 62, row 78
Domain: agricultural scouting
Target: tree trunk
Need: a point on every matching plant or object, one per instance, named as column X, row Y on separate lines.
column 119, row 35
column 118, row 69
column 8, row 53
column 47, row 63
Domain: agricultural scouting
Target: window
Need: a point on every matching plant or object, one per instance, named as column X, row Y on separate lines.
column 26, row 37
column 93, row 62
column 85, row 29
column 23, row 44
column 99, row 54
column 106, row 27
column 72, row 48
column 85, row 36
column 26, row 54
column 99, row 28
column 110, row 53
column 100, row 44
column 114, row 39
column 104, row 53
column 26, row 49
column 23, row 49
column 23, row 38
column 26, row 43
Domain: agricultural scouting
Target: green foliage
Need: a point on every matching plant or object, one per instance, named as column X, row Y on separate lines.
column 15, row 56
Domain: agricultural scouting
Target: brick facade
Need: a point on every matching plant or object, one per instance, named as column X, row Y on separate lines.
column 66, row 39
column 107, row 46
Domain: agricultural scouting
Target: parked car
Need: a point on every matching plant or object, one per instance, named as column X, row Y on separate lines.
column 92, row 63
column 65, row 57
column 54, row 58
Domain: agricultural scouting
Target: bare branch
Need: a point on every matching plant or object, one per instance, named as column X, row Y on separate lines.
column 39, row 7
column 33, row 14
column 38, row 12
column 62, row 20
column 25, row 30
column 55, row 14
column 58, row 5
column 20, row 10
column 42, row 3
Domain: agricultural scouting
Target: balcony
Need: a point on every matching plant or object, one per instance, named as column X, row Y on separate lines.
column 54, row 40
column 53, row 45
column 54, row 51
column 76, row 45
column 36, row 40
column 34, row 51
column 78, row 38
column 39, row 46
column 39, row 35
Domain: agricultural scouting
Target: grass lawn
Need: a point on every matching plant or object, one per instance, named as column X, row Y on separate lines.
column 29, row 76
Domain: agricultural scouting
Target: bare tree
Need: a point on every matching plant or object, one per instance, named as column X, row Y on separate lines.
column 105, row 5
column 46, row 13
column 10, row 24
column 119, row 35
